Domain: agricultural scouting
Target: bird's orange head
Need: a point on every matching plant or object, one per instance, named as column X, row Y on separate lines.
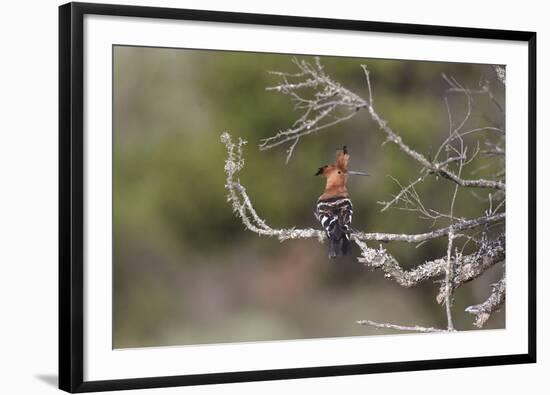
column 337, row 173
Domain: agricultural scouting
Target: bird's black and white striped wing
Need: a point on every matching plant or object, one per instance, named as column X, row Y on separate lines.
column 335, row 216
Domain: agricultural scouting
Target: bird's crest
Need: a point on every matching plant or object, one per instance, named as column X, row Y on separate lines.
column 341, row 164
column 342, row 159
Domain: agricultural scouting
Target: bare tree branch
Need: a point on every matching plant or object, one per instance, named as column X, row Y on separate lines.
column 483, row 311
column 415, row 328
column 241, row 203
column 380, row 259
column 244, row 209
column 330, row 97
column 470, row 267
column 329, row 100
column 442, row 232
column 501, row 73
column 437, row 168
column 447, row 286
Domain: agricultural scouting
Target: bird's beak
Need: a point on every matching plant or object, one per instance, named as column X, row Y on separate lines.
column 357, row 173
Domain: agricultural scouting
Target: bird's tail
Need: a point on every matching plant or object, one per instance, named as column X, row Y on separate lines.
column 339, row 247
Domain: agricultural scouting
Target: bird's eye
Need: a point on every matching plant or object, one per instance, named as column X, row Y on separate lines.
column 339, row 172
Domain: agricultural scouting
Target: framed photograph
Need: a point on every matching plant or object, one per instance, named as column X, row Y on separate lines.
column 251, row 197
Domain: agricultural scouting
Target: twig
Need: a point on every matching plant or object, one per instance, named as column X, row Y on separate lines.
column 330, row 99
column 403, row 191
column 484, row 310
column 448, row 275
column 415, row 328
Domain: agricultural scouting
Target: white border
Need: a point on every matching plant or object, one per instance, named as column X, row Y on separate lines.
column 102, row 363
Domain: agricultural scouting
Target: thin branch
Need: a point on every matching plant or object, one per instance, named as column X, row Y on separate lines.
column 480, row 183
column 449, row 267
column 436, row 168
column 442, row 232
column 448, row 275
column 403, row 192
column 483, row 311
column 454, row 136
column 342, row 98
column 290, row 149
column 415, row 328
column 330, row 98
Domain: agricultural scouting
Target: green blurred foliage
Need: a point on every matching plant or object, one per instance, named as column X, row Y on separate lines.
column 185, row 269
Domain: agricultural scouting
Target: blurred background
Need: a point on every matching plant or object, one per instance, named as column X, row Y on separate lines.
column 186, row 271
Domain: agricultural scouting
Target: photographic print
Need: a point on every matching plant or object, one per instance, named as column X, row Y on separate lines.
column 265, row 196
column 248, row 197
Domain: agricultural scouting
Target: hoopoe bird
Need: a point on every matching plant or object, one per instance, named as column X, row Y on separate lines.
column 334, row 209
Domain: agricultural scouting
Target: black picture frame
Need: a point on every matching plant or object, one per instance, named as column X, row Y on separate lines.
column 71, row 195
